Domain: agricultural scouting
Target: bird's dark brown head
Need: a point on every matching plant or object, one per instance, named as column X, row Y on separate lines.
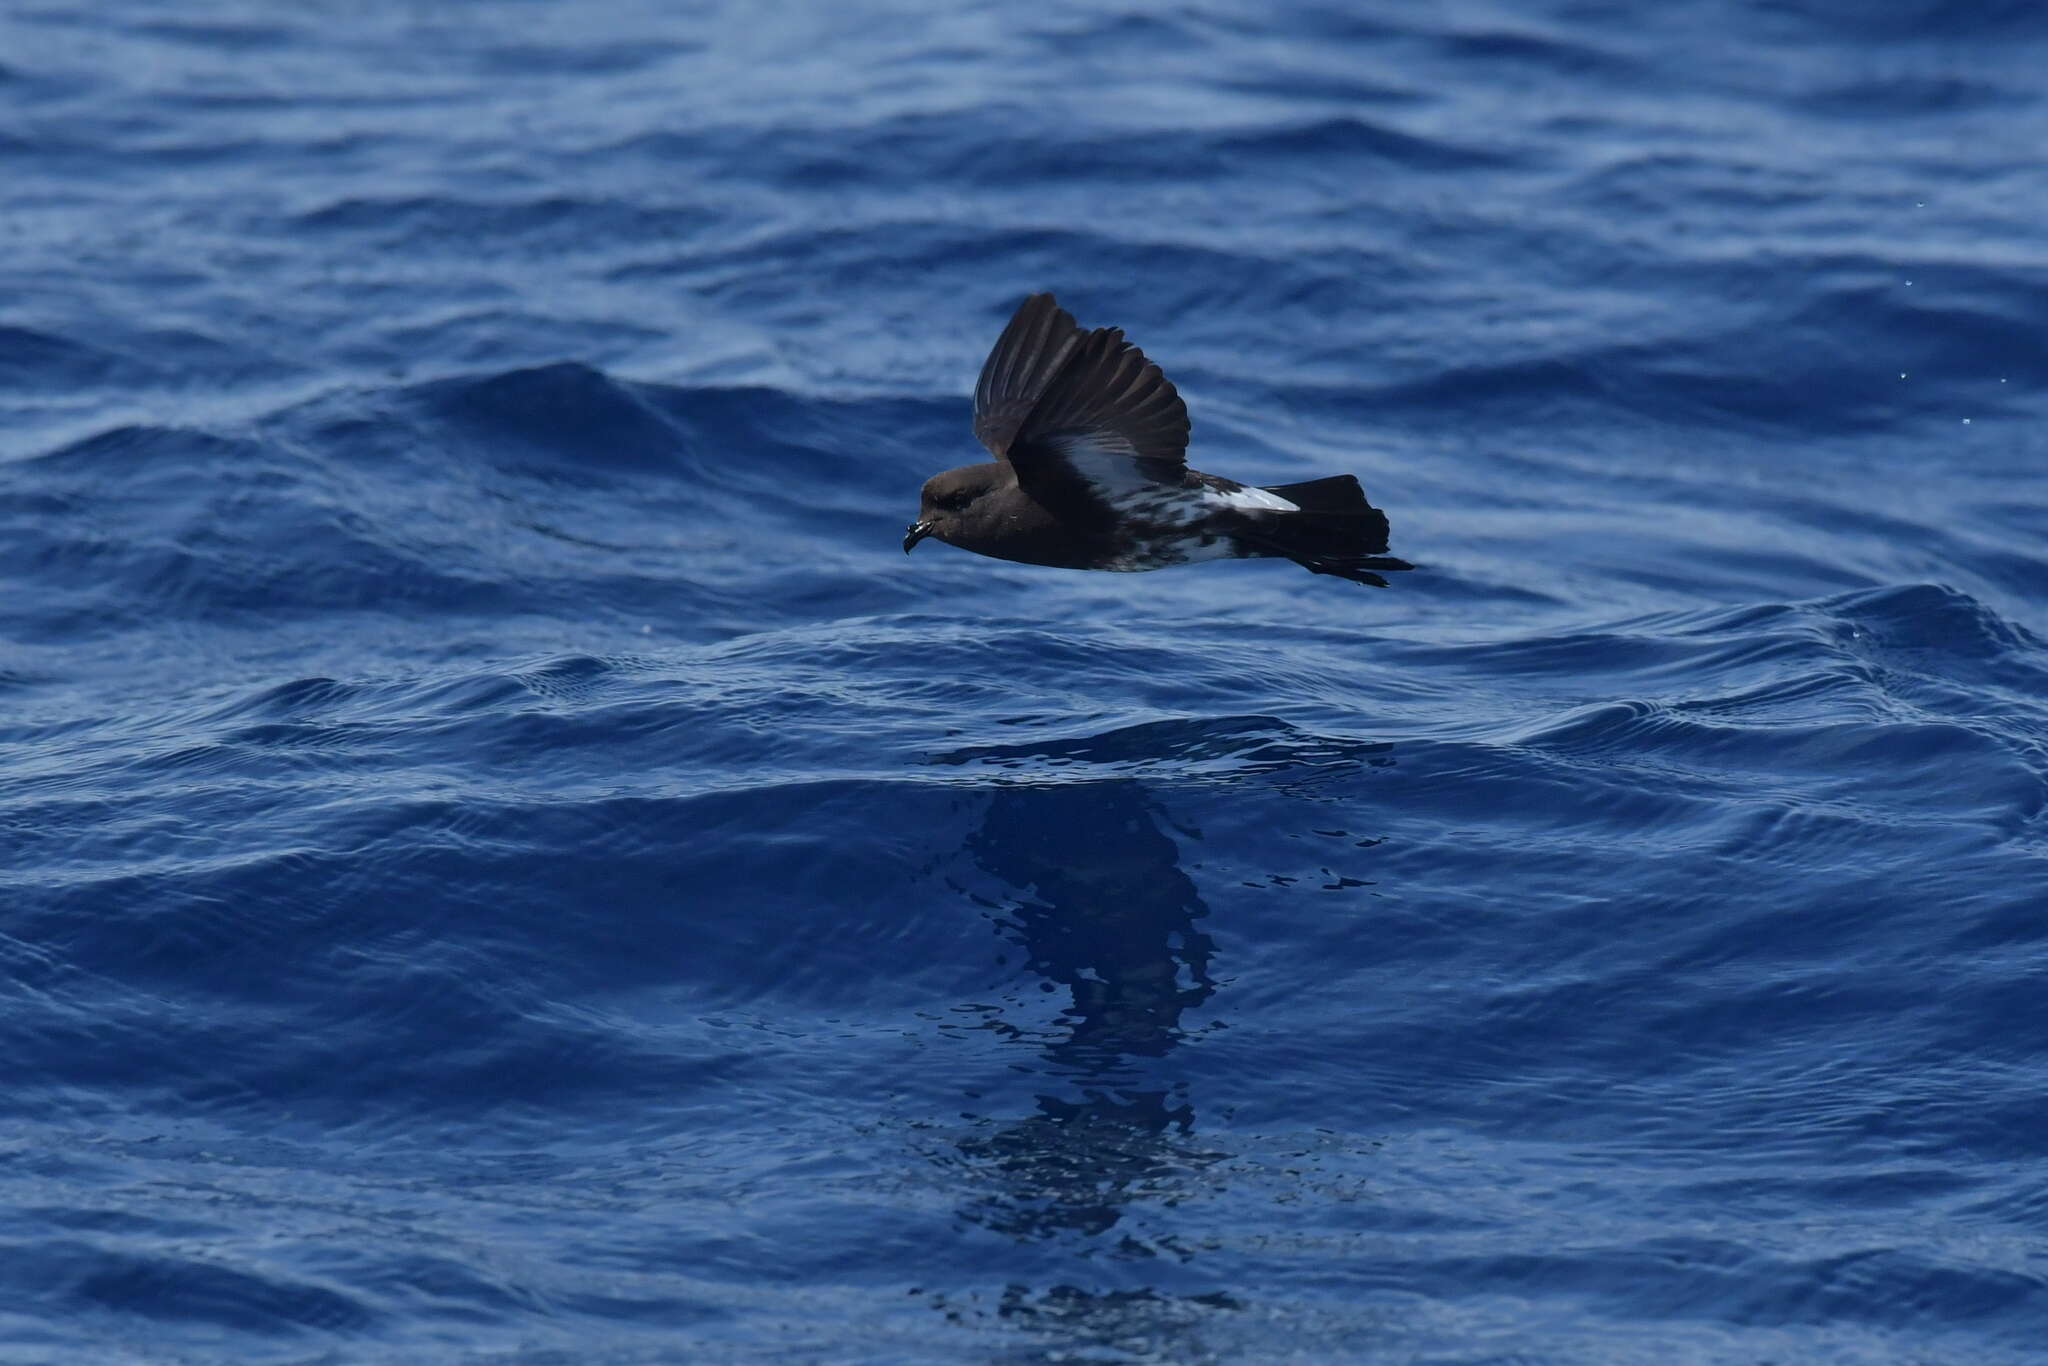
column 949, row 501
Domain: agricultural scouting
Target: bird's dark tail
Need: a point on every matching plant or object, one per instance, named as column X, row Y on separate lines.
column 1336, row 532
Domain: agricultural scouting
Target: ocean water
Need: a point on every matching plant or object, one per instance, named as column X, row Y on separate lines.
column 507, row 862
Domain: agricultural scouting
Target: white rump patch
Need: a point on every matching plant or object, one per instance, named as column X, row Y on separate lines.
column 1110, row 466
column 1249, row 499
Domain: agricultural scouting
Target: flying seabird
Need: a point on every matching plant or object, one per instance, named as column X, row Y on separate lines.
column 1090, row 471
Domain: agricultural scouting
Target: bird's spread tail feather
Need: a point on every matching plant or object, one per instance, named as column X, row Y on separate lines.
column 1332, row 493
column 1336, row 532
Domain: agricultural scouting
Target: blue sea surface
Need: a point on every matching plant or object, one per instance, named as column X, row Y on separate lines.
column 506, row 861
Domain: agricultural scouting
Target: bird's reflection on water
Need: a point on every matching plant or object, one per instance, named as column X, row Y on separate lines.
column 1097, row 900
column 1078, row 865
column 1101, row 907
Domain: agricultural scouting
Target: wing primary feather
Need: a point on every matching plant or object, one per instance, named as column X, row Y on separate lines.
column 1108, row 389
column 1084, row 417
column 1036, row 344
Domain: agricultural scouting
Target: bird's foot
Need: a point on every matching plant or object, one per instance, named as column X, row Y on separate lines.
column 1358, row 570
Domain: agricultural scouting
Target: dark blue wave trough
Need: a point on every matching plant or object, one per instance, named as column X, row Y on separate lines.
column 506, row 861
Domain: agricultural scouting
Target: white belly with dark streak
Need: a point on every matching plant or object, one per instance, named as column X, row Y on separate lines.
column 1160, row 517
column 1168, row 550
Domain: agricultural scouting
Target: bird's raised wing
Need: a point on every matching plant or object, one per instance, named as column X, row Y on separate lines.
column 1040, row 339
column 1108, row 431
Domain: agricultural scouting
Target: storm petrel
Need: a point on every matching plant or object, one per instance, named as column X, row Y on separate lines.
column 1090, row 471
